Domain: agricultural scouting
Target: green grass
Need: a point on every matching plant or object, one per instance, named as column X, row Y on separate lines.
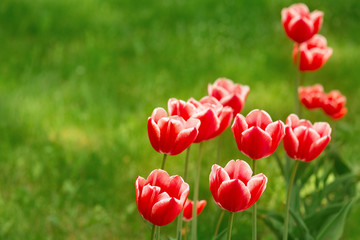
column 78, row 80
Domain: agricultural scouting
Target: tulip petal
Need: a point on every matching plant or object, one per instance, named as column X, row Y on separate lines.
column 177, row 188
column 185, row 138
column 234, row 196
column 255, row 143
column 188, row 208
column 239, row 169
column 165, row 211
column 256, row 186
column 217, row 176
column 317, row 18
column 158, row 177
column 209, row 124
column 154, row 134
column 322, row 128
column 306, row 137
column 291, row 143
column 258, row 118
column 158, row 113
column 200, row 205
column 317, row 147
column 300, row 29
column 224, row 83
column 224, row 121
column 147, row 200
column 234, row 101
column 239, row 126
column 339, row 114
column 139, row 184
column 168, row 136
column 181, row 108
column 277, row 131
column 217, row 92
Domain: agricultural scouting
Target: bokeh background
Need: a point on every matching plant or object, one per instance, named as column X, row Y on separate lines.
column 78, row 80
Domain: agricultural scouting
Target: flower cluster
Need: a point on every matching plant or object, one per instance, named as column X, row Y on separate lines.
column 161, row 198
column 332, row 103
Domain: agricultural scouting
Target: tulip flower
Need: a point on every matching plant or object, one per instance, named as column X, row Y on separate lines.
column 160, row 198
column 334, row 104
column 299, row 24
column 256, row 135
column 229, row 94
column 213, row 116
column 304, row 141
column 188, row 209
column 312, row 96
column 313, row 53
column 171, row 135
column 233, row 188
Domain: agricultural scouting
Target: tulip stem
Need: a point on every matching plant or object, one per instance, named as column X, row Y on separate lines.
column 297, row 82
column 231, row 220
column 186, row 163
column 219, row 223
column 280, row 164
column 218, row 150
column 180, row 217
column 287, row 218
column 153, row 232
column 158, row 233
column 196, row 193
column 254, row 233
column 163, row 161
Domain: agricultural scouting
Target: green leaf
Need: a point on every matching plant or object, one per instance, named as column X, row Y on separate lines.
column 339, row 182
column 334, row 226
column 315, row 220
column 273, row 221
column 302, row 230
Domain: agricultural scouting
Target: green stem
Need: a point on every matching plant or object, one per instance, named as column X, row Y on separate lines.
column 187, row 163
column 231, row 220
column 219, row 223
column 163, row 161
column 158, row 233
column 218, row 150
column 180, row 217
column 292, row 177
column 280, row 164
column 297, row 82
column 196, row 193
column 254, row 233
column 153, row 232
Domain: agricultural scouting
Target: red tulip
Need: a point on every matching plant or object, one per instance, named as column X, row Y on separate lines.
column 160, row 198
column 312, row 96
column 257, row 136
column 229, row 94
column 299, row 24
column 304, row 141
column 188, row 208
column 181, row 108
column 233, row 188
column 213, row 116
column 313, row 53
column 171, row 135
column 334, row 104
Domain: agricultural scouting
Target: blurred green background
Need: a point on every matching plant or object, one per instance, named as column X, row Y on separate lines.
column 78, row 80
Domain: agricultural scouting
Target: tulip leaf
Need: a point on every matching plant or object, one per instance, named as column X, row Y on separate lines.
column 315, row 220
column 344, row 181
column 334, row 226
column 341, row 166
column 302, row 230
column 273, row 221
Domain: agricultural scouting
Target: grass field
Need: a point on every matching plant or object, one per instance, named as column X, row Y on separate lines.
column 78, row 80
